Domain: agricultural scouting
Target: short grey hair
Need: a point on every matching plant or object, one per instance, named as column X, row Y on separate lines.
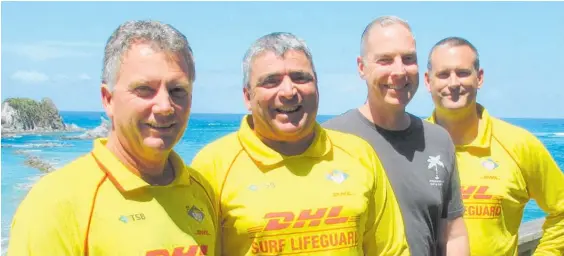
column 279, row 43
column 383, row 21
column 452, row 42
column 162, row 37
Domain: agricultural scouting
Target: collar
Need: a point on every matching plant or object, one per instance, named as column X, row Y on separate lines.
column 260, row 152
column 123, row 178
column 484, row 137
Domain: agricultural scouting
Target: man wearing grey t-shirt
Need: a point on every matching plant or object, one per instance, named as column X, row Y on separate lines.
column 418, row 156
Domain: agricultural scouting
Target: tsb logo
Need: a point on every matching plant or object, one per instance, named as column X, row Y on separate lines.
column 192, row 250
column 307, row 217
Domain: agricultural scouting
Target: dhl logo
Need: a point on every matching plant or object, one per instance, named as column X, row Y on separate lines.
column 307, row 217
column 475, row 192
column 192, row 250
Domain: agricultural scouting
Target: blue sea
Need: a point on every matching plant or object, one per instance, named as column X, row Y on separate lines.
column 17, row 178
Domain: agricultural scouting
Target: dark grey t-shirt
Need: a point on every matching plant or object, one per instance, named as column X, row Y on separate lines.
column 420, row 163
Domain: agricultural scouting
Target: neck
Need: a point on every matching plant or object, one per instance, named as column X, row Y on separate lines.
column 461, row 124
column 389, row 118
column 289, row 148
column 155, row 170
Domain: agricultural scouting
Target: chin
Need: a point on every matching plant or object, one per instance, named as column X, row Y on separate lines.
column 397, row 102
column 158, row 144
column 293, row 133
column 453, row 105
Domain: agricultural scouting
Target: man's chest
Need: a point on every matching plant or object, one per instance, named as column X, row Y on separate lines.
column 491, row 183
column 279, row 211
column 153, row 224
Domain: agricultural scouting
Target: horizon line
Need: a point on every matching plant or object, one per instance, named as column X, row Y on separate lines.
column 319, row 114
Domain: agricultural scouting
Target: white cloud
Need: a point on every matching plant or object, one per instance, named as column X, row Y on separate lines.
column 46, row 50
column 30, row 76
column 84, row 76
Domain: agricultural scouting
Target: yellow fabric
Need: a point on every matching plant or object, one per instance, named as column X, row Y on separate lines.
column 500, row 171
column 334, row 199
column 96, row 200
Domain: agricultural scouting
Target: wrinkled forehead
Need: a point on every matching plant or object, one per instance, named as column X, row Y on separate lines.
column 269, row 62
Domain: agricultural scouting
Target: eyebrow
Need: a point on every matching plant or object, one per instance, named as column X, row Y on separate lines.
column 380, row 55
column 137, row 83
column 178, row 83
column 276, row 75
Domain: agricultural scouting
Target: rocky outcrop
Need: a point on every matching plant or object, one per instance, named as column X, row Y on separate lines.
column 101, row 131
column 21, row 115
column 36, row 162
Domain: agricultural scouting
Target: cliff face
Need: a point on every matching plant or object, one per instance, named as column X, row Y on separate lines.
column 27, row 115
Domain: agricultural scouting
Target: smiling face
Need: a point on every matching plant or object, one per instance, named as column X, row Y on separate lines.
column 282, row 96
column 453, row 79
column 150, row 103
column 389, row 65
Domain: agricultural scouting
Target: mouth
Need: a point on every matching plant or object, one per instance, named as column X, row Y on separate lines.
column 397, row 87
column 288, row 110
column 161, row 126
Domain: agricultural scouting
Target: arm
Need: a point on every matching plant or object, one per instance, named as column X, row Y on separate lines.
column 456, row 237
column 205, row 166
column 385, row 234
column 44, row 225
column 544, row 183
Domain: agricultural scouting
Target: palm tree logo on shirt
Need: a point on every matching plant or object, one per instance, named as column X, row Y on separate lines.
column 435, row 161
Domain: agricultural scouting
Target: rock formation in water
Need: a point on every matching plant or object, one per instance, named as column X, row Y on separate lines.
column 101, row 131
column 23, row 115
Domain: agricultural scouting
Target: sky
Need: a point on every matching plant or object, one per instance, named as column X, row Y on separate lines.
column 55, row 49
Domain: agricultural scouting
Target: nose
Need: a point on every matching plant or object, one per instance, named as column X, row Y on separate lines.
column 453, row 80
column 398, row 71
column 287, row 88
column 163, row 103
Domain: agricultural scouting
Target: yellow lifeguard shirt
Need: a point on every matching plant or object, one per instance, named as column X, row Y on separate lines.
column 96, row 206
column 500, row 171
column 333, row 199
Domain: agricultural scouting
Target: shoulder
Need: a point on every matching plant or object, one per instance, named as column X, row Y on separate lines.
column 78, row 176
column 435, row 132
column 509, row 133
column 348, row 142
column 220, row 149
column 514, row 139
column 65, row 192
column 214, row 159
column 339, row 122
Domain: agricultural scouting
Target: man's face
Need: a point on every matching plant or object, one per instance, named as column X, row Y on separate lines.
column 453, row 80
column 389, row 65
column 150, row 104
column 282, row 96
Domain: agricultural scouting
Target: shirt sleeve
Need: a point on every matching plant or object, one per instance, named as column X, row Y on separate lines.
column 205, row 164
column 44, row 224
column 453, row 204
column 385, row 234
column 545, row 184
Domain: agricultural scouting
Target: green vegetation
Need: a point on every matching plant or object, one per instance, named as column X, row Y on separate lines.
column 36, row 114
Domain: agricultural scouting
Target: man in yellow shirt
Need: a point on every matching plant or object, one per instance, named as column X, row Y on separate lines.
column 286, row 186
column 501, row 165
column 132, row 194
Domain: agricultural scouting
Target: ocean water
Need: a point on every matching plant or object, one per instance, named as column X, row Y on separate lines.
column 17, row 178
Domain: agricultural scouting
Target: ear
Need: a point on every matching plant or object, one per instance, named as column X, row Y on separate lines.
column 427, row 81
column 480, row 78
column 360, row 66
column 107, row 100
column 247, row 97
